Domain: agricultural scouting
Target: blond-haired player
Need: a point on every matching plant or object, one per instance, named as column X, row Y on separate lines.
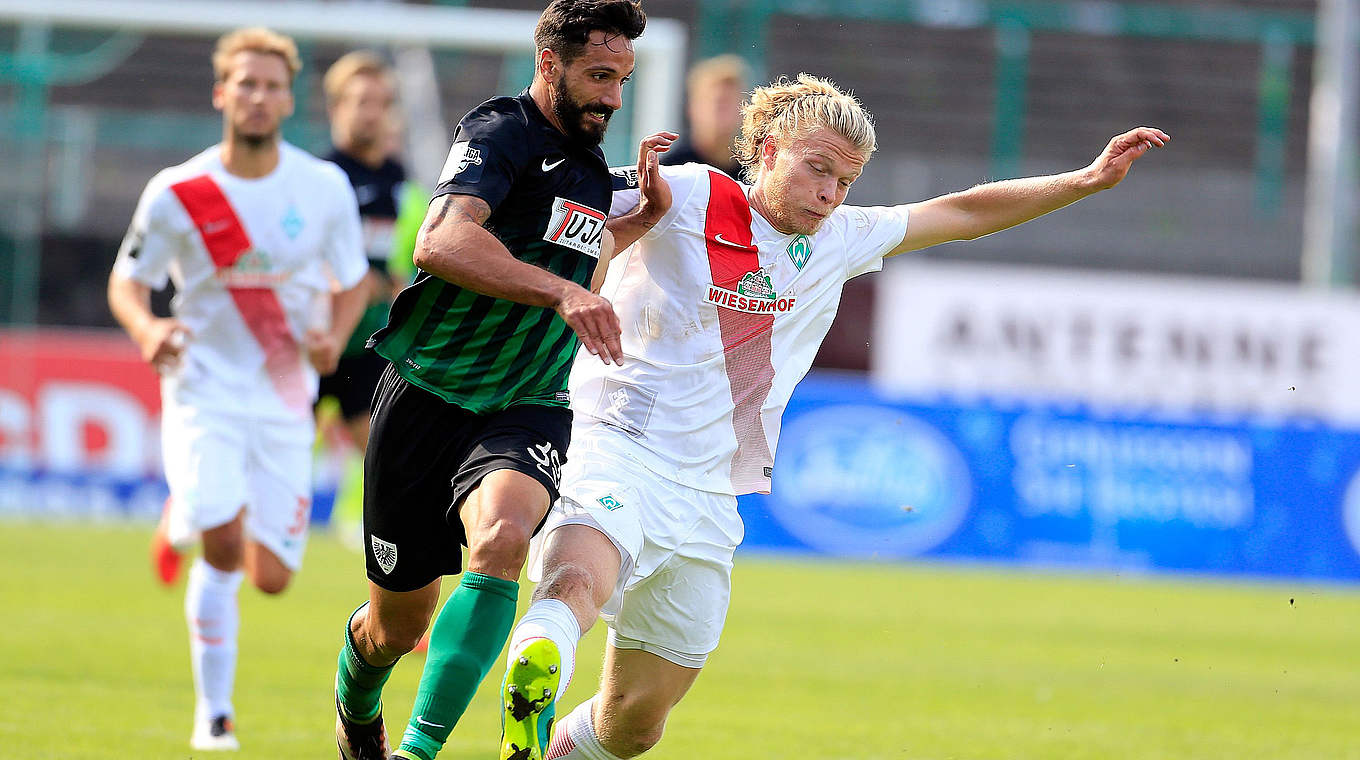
column 724, row 303
column 262, row 243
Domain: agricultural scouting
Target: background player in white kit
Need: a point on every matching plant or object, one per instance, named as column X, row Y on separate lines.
column 263, row 244
column 724, row 304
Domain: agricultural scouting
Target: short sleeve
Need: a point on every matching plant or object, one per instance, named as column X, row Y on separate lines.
column 683, row 179
column 870, row 233
column 489, row 150
column 152, row 239
column 345, row 249
column 627, row 192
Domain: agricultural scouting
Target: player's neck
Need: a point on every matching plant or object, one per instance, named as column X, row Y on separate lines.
column 249, row 159
column 542, row 97
column 757, row 199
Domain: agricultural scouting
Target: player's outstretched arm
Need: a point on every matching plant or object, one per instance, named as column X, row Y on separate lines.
column 982, row 210
column 454, row 246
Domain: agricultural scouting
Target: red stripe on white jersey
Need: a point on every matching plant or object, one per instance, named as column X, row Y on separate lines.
column 226, row 240
column 746, row 337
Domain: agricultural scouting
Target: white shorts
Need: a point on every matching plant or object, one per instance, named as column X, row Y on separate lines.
column 217, row 463
column 676, row 543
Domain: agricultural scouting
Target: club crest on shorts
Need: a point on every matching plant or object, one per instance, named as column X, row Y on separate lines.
column 385, row 553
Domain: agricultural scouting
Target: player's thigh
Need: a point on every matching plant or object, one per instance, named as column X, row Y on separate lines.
column 511, row 474
column 205, row 466
column 675, row 604
column 417, row 444
column 279, row 481
column 603, row 496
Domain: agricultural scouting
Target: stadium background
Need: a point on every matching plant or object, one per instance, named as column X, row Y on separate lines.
column 1137, row 384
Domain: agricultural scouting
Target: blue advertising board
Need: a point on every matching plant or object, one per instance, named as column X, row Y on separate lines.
column 858, row 475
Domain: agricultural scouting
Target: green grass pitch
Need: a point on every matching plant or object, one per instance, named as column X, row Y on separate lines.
column 820, row 661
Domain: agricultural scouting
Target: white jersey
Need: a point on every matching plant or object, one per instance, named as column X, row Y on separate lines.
column 722, row 315
column 253, row 262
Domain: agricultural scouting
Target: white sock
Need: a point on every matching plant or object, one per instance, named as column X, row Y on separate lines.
column 574, row 737
column 549, row 619
column 210, row 609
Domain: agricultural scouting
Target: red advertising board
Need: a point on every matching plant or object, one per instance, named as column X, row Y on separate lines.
column 77, row 402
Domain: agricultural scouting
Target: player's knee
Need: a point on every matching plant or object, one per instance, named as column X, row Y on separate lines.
column 634, row 723
column 273, row 583
column 224, row 552
column 642, row 738
column 573, row 584
column 394, row 638
column 502, row 542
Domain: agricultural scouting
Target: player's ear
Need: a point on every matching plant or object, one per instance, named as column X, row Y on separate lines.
column 769, row 148
column 218, row 96
column 547, row 64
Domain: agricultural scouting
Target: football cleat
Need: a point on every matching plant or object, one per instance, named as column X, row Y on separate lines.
column 166, row 560
column 360, row 741
column 214, row 735
column 529, row 695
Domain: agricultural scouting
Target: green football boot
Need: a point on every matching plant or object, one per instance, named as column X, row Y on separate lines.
column 530, row 701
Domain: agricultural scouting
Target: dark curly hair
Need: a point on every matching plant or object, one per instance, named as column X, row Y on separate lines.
column 565, row 25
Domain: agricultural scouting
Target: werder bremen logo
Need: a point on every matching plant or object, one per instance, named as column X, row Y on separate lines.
column 253, row 270
column 756, row 285
column 253, row 261
column 800, row 250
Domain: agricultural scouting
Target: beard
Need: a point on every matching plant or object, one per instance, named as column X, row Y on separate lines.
column 571, row 113
column 257, row 141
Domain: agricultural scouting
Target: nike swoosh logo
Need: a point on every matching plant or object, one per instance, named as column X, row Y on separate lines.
column 547, row 167
column 421, row 720
column 718, row 237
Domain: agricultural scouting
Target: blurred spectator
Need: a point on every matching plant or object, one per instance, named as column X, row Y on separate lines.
column 360, row 95
column 715, row 88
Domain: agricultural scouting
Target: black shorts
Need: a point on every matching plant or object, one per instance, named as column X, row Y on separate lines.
column 424, row 456
column 353, row 383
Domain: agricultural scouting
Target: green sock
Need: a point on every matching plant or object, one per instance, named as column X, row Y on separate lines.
column 464, row 643
column 358, row 685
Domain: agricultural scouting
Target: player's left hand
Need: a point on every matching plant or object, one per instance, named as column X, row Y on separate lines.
column 656, row 192
column 323, row 350
column 1111, row 166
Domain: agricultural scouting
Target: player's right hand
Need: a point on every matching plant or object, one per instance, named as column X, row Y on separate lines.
column 656, row 193
column 162, row 343
column 593, row 320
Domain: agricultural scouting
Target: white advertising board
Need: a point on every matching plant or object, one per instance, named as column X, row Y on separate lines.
column 1192, row 347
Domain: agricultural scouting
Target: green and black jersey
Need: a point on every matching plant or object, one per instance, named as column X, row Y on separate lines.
column 548, row 197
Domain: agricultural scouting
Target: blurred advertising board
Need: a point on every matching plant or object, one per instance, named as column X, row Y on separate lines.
column 1194, row 348
column 1083, row 419
column 860, row 475
column 80, row 428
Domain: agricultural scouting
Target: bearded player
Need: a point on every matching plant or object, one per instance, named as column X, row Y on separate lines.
column 724, row 304
column 471, row 419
